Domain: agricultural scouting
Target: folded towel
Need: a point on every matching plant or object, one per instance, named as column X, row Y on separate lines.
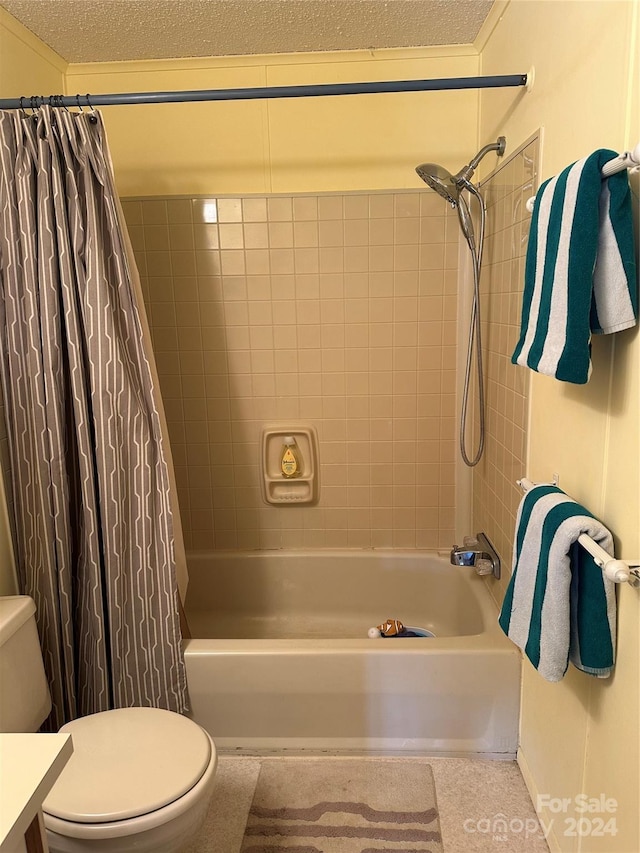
column 559, row 605
column 580, row 270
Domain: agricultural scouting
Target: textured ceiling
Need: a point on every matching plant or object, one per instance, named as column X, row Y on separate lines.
column 113, row 30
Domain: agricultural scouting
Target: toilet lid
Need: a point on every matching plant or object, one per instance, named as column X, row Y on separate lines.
column 127, row 763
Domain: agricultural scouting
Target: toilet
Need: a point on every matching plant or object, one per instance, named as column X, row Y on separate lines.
column 139, row 779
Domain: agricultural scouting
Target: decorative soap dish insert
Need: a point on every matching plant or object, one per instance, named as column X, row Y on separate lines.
column 278, row 489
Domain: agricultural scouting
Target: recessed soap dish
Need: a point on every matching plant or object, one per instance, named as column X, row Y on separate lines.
column 278, row 489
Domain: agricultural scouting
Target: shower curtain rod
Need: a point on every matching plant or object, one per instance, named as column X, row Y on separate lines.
column 490, row 82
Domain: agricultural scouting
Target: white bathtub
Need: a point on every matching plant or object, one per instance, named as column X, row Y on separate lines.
column 282, row 658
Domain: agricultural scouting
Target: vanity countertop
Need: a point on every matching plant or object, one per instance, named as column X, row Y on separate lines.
column 29, row 766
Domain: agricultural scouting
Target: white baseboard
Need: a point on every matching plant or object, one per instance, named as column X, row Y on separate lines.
column 532, row 788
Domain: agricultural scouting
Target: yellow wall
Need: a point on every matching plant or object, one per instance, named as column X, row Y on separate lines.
column 27, row 66
column 581, row 735
column 360, row 142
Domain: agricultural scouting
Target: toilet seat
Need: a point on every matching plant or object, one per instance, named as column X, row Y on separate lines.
column 128, row 763
column 145, row 834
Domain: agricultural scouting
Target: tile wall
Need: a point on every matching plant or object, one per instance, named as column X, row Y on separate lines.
column 335, row 310
column 495, row 494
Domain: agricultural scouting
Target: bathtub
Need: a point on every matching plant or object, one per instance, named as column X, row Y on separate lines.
column 281, row 657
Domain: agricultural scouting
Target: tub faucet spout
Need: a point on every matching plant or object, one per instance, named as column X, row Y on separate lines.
column 479, row 553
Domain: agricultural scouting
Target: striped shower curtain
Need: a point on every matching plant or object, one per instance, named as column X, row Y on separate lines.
column 91, row 471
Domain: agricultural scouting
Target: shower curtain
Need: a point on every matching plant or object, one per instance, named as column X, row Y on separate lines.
column 96, row 523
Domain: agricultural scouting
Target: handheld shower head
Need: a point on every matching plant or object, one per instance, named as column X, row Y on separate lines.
column 450, row 186
column 466, row 222
column 440, row 180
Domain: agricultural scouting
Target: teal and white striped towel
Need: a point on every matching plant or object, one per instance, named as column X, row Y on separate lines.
column 559, row 606
column 580, row 276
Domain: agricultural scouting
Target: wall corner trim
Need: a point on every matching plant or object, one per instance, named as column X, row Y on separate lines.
column 32, row 41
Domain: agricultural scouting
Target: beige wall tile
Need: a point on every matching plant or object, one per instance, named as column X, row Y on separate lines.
column 154, row 211
column 495, row 494
column 254, row 209
column 326, row 308
column 229, row 210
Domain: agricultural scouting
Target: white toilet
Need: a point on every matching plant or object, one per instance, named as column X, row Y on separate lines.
column 139, row 779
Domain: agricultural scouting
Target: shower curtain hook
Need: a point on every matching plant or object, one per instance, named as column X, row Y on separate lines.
column 22, row 110
column 78, row 103
column 92, row 117
column 52, row 103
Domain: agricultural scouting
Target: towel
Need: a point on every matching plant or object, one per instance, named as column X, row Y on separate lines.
column 580, row 274
column 559, row 606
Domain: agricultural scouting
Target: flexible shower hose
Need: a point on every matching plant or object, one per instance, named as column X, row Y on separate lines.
column 474, row 335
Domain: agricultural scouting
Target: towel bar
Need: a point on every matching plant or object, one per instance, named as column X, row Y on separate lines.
column 628, row 160
column 618, row 571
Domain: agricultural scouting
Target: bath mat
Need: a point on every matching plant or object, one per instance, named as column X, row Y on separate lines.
column 343, row 805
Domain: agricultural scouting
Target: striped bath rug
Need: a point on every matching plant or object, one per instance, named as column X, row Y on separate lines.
column 343, row 805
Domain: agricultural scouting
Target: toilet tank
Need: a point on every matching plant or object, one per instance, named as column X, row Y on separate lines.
column 25, row 701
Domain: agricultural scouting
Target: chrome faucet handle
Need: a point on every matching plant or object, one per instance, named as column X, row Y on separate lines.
column 484, row 565
column 490, row 555
column 477, row 552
